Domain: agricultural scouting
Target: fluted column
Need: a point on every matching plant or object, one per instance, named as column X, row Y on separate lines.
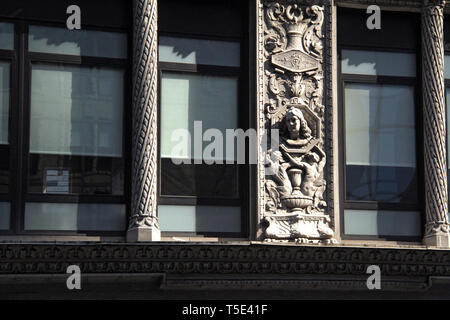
column 143, row 224
column 436, row 194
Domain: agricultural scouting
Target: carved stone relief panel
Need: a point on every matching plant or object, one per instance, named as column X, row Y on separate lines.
column 291, row 96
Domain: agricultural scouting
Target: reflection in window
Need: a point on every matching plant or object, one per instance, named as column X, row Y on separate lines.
column 197, row 51
column 76, row 111
column 380, row 143
column 378, row 63
column 76, row 129
column 185, row 99
column 383, row 223
column 82, row 42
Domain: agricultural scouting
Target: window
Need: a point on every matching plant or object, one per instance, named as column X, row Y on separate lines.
column 7, row 65
column 201, row 88
column 63, row 127
column 447, row 87
column 380, row 140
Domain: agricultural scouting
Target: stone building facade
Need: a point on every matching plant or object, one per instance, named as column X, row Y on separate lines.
column 306, row 230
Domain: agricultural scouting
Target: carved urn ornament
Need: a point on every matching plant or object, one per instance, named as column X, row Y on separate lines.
column 294, row 206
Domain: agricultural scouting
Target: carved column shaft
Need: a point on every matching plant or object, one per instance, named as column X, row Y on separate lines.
column 143, row 224
column 436, row 194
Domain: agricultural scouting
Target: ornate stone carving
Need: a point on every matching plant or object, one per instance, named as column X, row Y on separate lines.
column 143, row 224
column 292, row 94
column 436, row 194
column 219, row 261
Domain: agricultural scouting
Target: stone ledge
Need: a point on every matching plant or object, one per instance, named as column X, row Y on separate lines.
column 221, row 259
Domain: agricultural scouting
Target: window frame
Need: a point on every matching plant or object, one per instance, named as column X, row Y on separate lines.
column 415, row 83
column 243, row 172
column 19, row 128
column 447, row 86
column 11, row 57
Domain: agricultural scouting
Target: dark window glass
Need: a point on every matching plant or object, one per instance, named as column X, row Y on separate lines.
column 380, row 143
column 4, row 125
column 6, row 36
column 210, row 102
column 64, row 110
column 447, row 100
column 76, row 160
column 81, row 43
column 201, row 75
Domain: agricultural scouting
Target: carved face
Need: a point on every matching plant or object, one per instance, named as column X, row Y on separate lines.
column 294, row 125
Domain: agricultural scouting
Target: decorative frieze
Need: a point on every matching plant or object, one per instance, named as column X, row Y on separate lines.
column 291, row 182
column 223, row 259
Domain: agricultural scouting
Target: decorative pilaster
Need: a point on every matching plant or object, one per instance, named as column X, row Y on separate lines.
column 436, row 194
column 292, row 183
column 143, row 224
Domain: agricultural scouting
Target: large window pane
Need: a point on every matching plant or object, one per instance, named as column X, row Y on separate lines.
column 196, row 51
column 76, row 111
column 75, row 217
column 213, row 101
column 76, row 129
column 187, row 98
column 382, row 223
column 380, row 143
column 378, row 63
column 80, row 42
column 4, row 128
column 199, row 218
column 5, row 215
column 6, row 36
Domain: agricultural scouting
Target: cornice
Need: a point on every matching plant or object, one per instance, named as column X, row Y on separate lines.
column 221, row 259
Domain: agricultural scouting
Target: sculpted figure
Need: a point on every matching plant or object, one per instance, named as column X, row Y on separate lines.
column 312, row 184
column 297, row 127
column 280, row 175
column 279, row 185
